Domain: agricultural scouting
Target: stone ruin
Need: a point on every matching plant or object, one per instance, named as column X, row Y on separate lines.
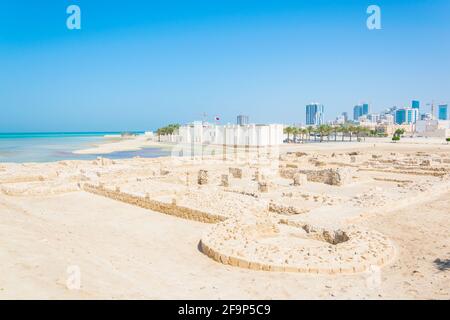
column 202, row 178
column 300, row 179
column 251, row 242
column 334, row 177
column 224, row 180
column 263, row 187
column 236, row 172
column 275, row 240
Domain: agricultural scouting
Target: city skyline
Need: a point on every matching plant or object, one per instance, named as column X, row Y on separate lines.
column 141, row 65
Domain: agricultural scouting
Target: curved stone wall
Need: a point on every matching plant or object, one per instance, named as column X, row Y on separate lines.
column 262, row 243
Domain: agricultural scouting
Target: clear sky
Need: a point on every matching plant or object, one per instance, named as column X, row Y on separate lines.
column 137, row 65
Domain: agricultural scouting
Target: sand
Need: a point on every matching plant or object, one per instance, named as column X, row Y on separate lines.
column 120, row 144
column 49, row 222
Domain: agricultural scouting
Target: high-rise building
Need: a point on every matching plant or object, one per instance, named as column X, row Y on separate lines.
column 415, row 104
column 406, row 116
column 314, row 114
column 357, row 112
column 443, row 112
column 345, row 116
column 242, row 120
column 365, row 109
column 400, row 116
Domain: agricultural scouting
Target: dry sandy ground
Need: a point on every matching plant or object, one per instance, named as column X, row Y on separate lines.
column 125, row 252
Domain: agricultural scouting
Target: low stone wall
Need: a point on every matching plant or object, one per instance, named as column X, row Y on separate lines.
column 335, row 177
column 236, row 172
column 147, row 203
column 343, row 252
column 286, row 210
column 45, row 188
column 414, row 173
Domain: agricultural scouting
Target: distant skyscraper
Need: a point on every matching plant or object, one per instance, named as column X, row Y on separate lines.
column 357, row 112
column 345, row 116
column 314, row 114
column 365, row 109
column 415, row 104
column 400, row 116
column 242, row 120
column 443, row 112
column 406, row 116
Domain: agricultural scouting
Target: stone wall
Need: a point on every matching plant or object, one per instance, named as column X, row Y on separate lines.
column 147, row 203
column 335, row 177
column 344, row 252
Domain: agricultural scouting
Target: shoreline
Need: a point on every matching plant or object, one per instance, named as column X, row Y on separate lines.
column 121, row 144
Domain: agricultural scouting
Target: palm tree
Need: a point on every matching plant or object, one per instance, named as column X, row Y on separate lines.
column 293, row 133
column 335, row 130
column 351, row 130
column 328, row 130
column 321, row 130
column 296, row 132
column 310, row 129
column 366, row 131
column 343, row 128
column 300, row 132
column 169, row 129
column 288, row 131
column 304, row 133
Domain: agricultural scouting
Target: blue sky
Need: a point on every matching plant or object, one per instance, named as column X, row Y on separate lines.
column 137, row 65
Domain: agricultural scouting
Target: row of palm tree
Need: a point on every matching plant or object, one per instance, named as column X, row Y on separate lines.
column 170, row 129
column 328, row 131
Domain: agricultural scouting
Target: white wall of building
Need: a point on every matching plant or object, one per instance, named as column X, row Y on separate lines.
column 433, row 128
column 241, row 135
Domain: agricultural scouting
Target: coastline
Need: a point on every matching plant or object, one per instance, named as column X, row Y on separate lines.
column 119, row 144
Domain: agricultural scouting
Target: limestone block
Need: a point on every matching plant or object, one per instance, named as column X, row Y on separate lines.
column 164, row 172
column 255, row 266
column 202, row 177
column 236, row 172
column 334, row 177
column 287, row 173
column 263, row 187
column 300, row 179
column 257, row 175
column 224, row 181
column 425, row 163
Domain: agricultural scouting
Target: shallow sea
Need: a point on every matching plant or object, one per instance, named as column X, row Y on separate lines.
column 48, row 147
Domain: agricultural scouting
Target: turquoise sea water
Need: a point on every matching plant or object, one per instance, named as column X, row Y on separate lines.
column 47, row 147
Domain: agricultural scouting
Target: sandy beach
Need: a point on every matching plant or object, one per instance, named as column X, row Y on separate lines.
column 118, row 144
column 360, row 220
